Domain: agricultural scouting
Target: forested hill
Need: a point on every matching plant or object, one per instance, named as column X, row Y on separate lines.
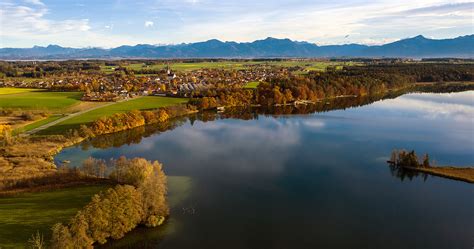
column 416, row 47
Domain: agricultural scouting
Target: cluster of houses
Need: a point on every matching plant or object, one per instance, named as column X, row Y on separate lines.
column 190, row 87
column 100, row 87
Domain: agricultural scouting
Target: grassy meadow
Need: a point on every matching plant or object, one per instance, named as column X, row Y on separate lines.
column 37, row 124
column 24, row 214
column 29, row 99
column 184, row 66
column 232, row 65
column 9, row 90
column 143, row 103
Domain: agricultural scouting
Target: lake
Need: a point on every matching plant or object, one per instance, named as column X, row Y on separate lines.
column 308, row 181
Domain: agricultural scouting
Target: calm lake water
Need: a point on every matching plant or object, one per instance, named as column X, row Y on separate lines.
column 310, row 181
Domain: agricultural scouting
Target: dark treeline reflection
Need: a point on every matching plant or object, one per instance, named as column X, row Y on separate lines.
column 135, row 136
column 444, row 88
column 132, row 136
column 403, row 173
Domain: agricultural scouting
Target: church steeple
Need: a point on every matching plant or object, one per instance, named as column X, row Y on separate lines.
column 171, row 75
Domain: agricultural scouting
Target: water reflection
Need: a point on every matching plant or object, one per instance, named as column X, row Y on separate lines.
column 306, row 181
column 136, row 135
column 133, row 136
column 457, row 107
column 403, row 173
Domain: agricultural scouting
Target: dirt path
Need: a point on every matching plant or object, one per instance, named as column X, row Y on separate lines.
column 68, row 116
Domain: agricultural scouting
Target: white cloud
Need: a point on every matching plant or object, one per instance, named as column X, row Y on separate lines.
column 370, row 22
column 29, row 22
column 20, row 20
column 22, row 25
column 35, row 2
column 149, row 24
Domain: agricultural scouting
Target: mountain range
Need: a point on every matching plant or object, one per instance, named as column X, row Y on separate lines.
column 416, row 47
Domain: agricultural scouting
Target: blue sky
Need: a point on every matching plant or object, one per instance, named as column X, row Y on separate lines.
column 110, row 23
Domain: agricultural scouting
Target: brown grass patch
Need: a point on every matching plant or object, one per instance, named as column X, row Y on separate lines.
column 461, row 174
column 84, row 105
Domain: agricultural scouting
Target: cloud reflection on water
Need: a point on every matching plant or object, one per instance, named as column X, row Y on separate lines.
column 241, row 145
column 458, row 107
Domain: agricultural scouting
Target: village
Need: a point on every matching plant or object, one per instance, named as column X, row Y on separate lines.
column 122, row 83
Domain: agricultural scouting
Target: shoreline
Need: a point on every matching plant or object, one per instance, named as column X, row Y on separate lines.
column 465, row 174
column 16, row 161
column 57, row 145
column 44, row 149
column 43, row 156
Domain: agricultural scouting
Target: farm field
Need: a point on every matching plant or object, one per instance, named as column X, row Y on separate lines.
column 143, row 103
column 9, row 90
column 185, row 66
column 27, row 213
column 233, row 65
column 38, row 100
column 310, row 65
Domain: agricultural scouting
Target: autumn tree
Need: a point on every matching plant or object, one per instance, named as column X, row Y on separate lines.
column 61, row 238
column 94, row 167
column 154, row 190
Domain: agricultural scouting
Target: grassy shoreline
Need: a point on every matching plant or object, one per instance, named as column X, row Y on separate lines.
column 454, row 173
column 16, row 160
column 41, row 150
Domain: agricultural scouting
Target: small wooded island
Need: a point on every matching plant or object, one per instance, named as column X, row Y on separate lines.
column 408, row 161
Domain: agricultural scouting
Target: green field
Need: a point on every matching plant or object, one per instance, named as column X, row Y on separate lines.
column 143, row 103
column 23, row 215
column 184, row 66
column 37, row 124
column 9, row 90
column 39, row 100
column 252, row 85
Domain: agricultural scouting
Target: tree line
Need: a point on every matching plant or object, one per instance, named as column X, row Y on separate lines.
column 33, row 69
column 139, row 198
column 403, row 158
column 129, row 120
column 351, row 80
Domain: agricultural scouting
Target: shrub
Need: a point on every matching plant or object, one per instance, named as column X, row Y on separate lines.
column 36, row 241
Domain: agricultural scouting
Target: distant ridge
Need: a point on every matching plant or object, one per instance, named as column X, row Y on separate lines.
column 416, row 47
